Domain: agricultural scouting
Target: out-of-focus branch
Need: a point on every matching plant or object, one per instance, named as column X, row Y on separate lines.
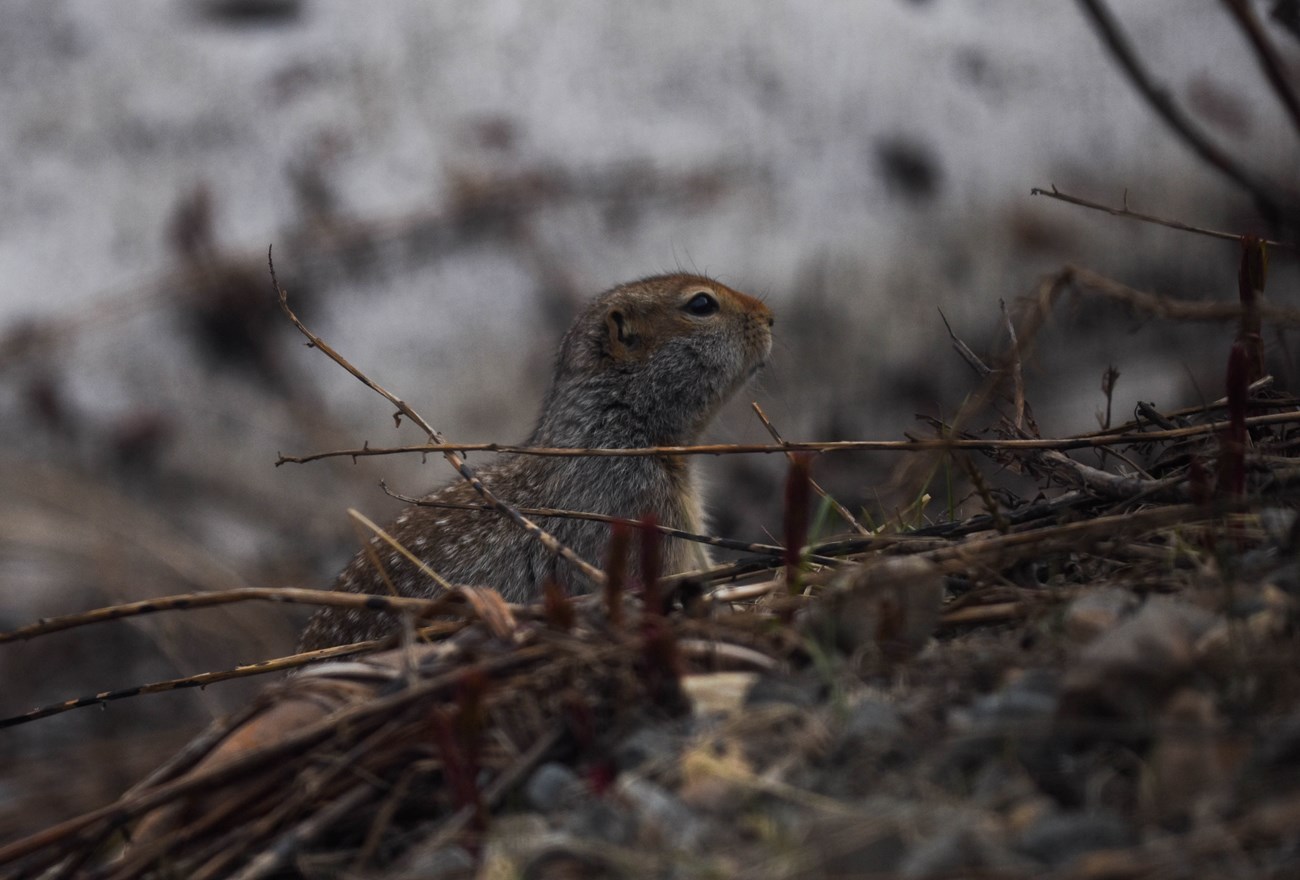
column 1055, row 193
column 1157, row 95
column 1266, row 55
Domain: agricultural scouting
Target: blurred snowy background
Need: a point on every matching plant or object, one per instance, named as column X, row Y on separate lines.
column 443, row 183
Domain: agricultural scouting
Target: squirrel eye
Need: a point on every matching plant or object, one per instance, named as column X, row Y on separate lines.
column 702, row 305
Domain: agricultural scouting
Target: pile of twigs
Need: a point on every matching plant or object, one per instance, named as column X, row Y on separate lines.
column 354, row 760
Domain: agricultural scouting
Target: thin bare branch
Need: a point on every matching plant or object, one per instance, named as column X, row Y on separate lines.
column 348, row 719
column 1014, row 367
column 1269, row 61
column 291, row 595
column 1055, row 193
column 1158, row 97
column 844, row 513
column 450, row 453
column 1166, row 307
column 972, row 359
column 1080, row 442
column 203, row 679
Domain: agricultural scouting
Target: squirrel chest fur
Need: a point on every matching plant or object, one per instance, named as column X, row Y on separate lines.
column 644, row 364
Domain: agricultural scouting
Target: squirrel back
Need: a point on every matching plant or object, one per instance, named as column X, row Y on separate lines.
column 646, row 363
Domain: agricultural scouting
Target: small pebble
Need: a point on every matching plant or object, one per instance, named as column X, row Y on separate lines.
column 678, row 825
column 1059, row 838
column 553, row 786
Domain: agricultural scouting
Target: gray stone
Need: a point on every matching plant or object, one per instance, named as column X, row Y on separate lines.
column 601, row 819
column 1096, row 611
column 1059, row 838
column 675, row 822
column 873, row 719
column 1029, row 697
column 862, row 855
column 803, row 691
column 446, row 861
column 1129, row 669
column 553, row 786
column 657, row 743
column 956, row 850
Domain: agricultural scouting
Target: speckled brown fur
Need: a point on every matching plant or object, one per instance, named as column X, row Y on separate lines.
column 637, row 368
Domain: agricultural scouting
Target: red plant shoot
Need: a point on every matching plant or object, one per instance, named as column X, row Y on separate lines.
column 1232, row 465
column 557, row 605
column 620, row 538
column 798, row 494
column 1251, row 275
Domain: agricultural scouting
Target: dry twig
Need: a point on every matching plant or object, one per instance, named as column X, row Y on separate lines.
column 1055, row 193
column 1083, row 441
column 844, row 513
column 453, row 456
column 292, row 595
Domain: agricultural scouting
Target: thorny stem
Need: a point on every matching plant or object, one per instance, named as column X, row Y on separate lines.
column 1087, row 441
column 453, row 456
column 1055, row 193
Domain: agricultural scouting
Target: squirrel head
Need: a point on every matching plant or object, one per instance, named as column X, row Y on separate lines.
column 652, row 360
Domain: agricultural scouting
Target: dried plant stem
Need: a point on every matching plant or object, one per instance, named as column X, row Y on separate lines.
column 1083, row 441
column 500, row 786
column 287, row 844
column 1014, row 367
column 410, row 557
column 203, row 679
column 1165, row 420
column 352, row 721
column 843, row 512
column 1055, row 193
column 1170, row 308
column 291, row 595
column 983, row 552
column 668, row 531
column 450, row 453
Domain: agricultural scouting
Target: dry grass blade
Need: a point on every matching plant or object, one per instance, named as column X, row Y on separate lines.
column 398, row 546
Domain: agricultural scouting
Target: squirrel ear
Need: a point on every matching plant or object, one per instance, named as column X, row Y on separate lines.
column 621, row 337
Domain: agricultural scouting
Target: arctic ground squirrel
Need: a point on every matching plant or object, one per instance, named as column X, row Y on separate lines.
column 647, row 363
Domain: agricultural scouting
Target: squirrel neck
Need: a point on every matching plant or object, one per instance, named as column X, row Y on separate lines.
column 615, row 409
